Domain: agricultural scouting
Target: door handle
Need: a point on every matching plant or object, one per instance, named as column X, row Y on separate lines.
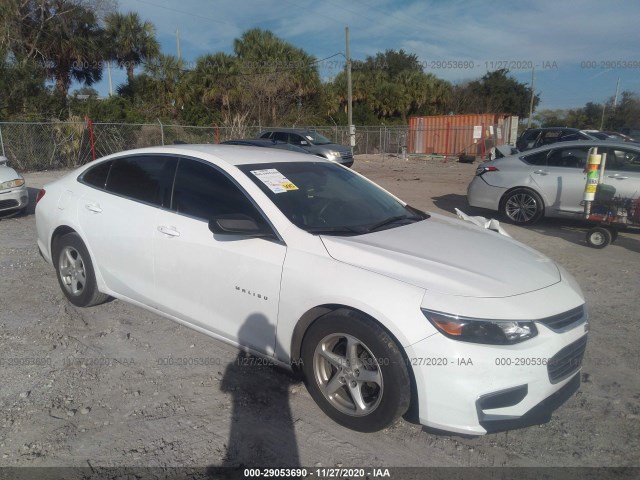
column 618, row 177
column 541, row 172
column 169, row 231
column 93, row 207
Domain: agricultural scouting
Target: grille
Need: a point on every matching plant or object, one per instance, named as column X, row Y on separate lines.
column 563, row 320
column 567, row 361
column 347, row 156
column 8, row 204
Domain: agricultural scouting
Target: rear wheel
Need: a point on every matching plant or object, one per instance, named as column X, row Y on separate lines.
column 522, row 206
column 75, row 271
column 355, row 371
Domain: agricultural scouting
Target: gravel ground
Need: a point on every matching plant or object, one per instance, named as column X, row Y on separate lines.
column 97, row 387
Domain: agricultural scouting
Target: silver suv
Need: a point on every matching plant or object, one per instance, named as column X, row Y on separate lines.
column 313, row 142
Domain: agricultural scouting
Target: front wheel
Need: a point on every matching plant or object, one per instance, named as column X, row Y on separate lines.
column 522, row 206
column 75, row 271
column 355, row 371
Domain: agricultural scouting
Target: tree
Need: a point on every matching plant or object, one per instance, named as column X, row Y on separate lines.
column 276, row 76
column 495, row 92
column 63, row 36
column 391, row 85
column 130, row 41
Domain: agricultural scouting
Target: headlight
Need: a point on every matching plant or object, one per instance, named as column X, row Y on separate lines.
column 18, row 182
column 479, row 330
column 335, row 154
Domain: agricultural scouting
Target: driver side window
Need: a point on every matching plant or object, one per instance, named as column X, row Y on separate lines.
column 203, row 192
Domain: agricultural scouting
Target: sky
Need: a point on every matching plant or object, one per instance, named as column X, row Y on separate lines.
column 579, row 50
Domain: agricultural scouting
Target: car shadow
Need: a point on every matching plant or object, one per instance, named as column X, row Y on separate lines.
column 262, row 430
column 451, row 201
column 31, row 208
column 575, row 231
column 571, row 230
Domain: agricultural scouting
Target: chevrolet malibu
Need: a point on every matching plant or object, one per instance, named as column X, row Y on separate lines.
column 383, row 309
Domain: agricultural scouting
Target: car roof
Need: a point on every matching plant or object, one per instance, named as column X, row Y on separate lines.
column 292, row 130
column 251, row 141
column 229, row 154
column 578, row 143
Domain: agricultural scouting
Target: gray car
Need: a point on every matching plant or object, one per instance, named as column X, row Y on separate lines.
column 550, row 181
column 312, row 142
column 14, row 196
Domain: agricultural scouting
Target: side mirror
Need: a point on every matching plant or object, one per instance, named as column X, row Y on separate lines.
column 238, row 224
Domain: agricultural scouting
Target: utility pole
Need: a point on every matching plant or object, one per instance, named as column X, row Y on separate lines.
column 615, row 99
column 352, row 133
column 533, row 70
column 110, row 82
column 178, row 48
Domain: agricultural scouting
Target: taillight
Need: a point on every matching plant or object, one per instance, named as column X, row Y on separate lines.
column 482, row 169
column 40, row 195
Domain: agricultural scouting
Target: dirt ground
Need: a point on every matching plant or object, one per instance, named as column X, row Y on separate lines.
column 102, row 386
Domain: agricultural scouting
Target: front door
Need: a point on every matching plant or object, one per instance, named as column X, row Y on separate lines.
column 227, row 284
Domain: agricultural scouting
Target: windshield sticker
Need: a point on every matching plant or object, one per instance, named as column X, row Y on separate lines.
column 274, row 180
column 309, row 137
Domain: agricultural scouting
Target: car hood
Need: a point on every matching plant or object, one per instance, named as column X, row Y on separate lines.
column 8, row 173
column 332, row 146
column 448, row 256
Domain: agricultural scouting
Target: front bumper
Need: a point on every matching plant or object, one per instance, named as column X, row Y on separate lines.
column 475, row 389
column 14, row 199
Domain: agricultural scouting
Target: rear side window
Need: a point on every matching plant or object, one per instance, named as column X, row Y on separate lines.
column 539, row 158
column 569, row 157
column 280, row 136
column 146, row 179
column 550, row 136
column 97, row 176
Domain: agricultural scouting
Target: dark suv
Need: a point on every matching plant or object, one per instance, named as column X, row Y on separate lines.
column 312, row 142
column 538, row 137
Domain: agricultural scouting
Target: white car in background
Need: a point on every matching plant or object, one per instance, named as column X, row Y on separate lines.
column 14, row 196
column 549, row 181
column 377, row 305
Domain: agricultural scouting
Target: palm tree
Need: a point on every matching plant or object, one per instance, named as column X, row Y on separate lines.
column 130, row 41
column 63, row 36
column 277, row 74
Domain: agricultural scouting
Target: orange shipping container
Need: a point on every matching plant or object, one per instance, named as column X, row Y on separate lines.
column 472, row 134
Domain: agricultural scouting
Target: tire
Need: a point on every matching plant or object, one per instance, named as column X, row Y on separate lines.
column 522, row 206
column 599, row 237
column 339, row 388
column 75, row 271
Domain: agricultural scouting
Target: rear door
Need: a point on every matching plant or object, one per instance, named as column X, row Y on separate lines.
column 118, row 221
column 560, row 177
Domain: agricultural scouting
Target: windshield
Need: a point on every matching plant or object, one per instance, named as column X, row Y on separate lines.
column 325, row 198
column 316, row 138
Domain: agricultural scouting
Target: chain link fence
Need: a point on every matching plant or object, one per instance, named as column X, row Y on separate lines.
column 54, row 145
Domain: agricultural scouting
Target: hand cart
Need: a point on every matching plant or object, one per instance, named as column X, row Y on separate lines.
column 601, row 206
column 611, row 215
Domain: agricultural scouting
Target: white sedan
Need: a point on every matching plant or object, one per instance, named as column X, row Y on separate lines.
column 14, row 197
column 383, row 309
